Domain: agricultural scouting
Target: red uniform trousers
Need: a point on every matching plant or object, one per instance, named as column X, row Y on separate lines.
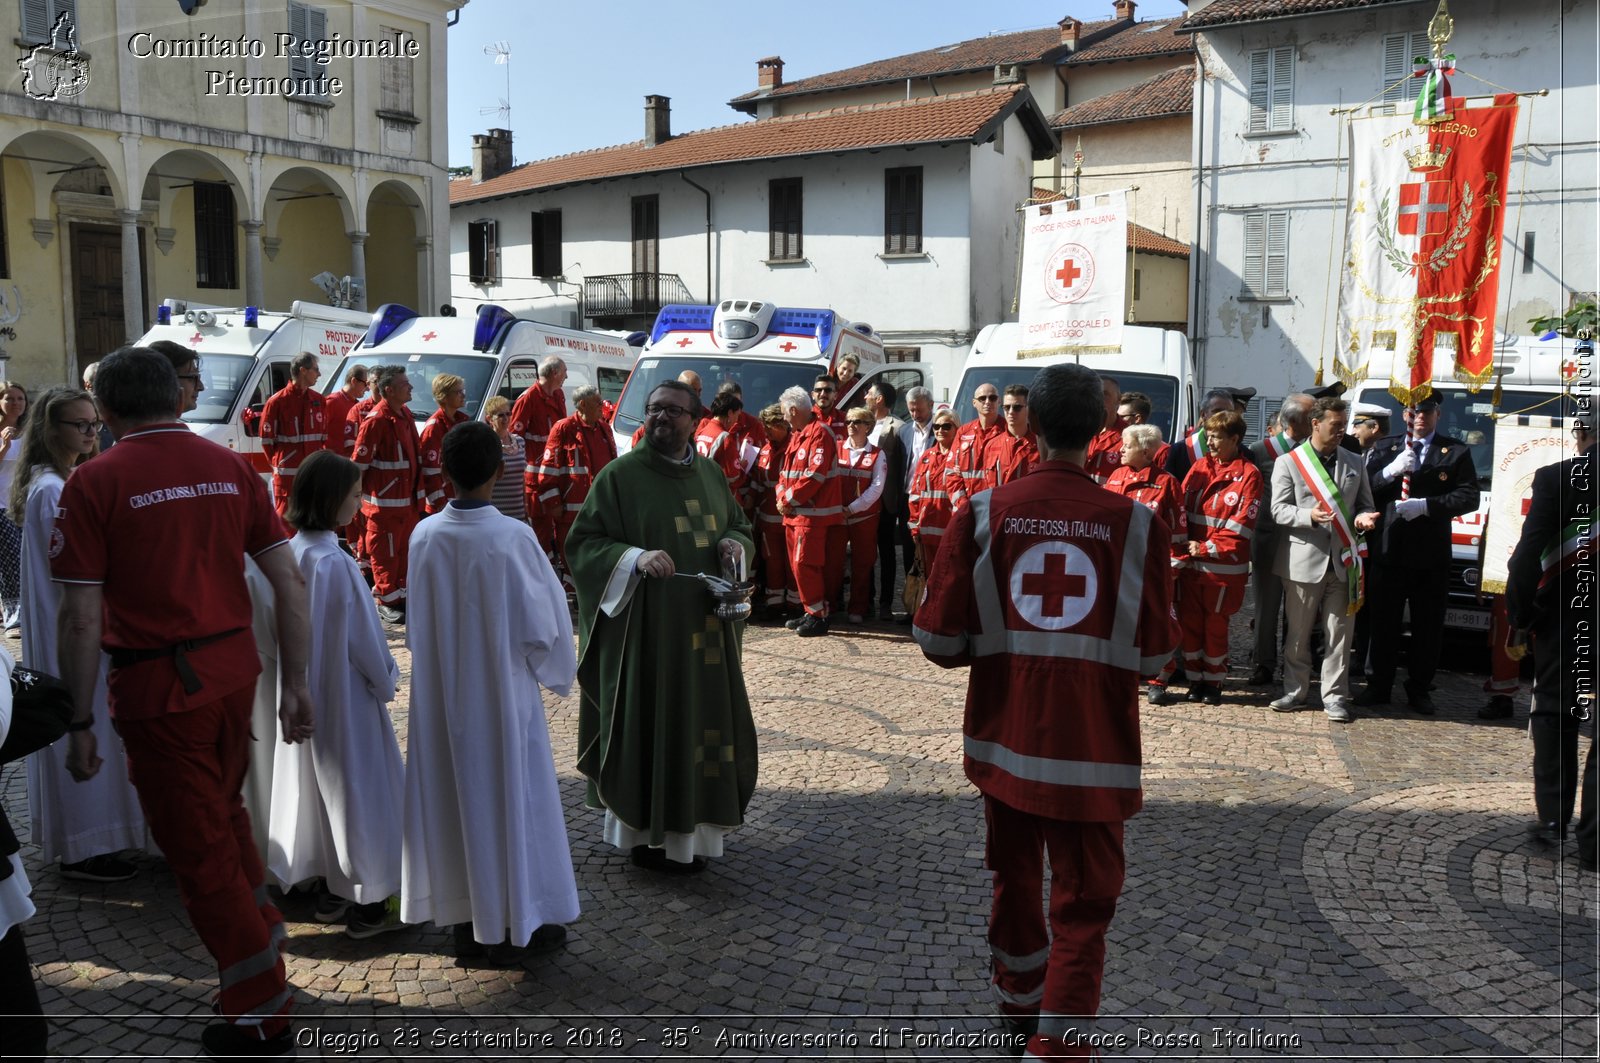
column 863, row 539
column 775, row 560
column 544, row 525
column 388, row 542
column 808, row 557
column 188, row 768
column 833, row 565
column 1056, row 970
column 1205, row 608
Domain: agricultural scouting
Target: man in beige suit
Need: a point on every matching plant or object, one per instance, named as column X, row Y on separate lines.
column 1321, row 502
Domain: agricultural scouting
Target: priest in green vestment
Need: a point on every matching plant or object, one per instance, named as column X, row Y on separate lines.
column 665, row 735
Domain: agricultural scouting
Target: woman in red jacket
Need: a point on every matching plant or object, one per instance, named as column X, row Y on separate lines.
column 1140, row 478
column 1222, row 495
column 936, row 490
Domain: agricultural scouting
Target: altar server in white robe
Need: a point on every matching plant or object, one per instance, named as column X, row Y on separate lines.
column 257, row 789
column 82, row 824
column 485, row 837
column 335, row 798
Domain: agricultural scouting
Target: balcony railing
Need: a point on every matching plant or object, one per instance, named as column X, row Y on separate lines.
column 629, row 294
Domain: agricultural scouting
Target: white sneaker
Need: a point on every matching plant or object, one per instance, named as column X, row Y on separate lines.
column 1287, row 703
column 1337, row 712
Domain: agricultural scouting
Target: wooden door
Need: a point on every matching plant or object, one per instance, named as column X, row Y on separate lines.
column 97, row 290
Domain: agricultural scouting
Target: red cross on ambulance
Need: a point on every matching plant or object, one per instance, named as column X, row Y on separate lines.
column 1054, row 585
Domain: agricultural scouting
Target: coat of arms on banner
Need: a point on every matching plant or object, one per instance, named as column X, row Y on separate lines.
column 1422, row 255
column 1074, row 275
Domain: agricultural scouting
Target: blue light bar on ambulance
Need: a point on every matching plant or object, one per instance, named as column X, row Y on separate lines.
column 491, row 319
column 252, row 316
column 687, row 317
column 385, row 320
column 163, row 315
column 801, row 322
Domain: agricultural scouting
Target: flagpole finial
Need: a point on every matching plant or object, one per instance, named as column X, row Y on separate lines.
column 1440, row 28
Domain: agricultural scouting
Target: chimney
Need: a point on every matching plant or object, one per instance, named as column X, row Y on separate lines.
column 491, row 154
column 1070, row 29
column 1124, row 9
column 769, row 72
column 1007, row 74
column 657, row 120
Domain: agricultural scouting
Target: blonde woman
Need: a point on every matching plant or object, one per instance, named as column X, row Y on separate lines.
column 13, row 415
column 508, row 497
column 84, row 825
column 450, row 392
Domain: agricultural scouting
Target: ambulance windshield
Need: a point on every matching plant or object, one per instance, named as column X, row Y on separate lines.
column 222, row 376
column 760, row 380
column 1470, row 418
column 1163, row 390
column 420, row 370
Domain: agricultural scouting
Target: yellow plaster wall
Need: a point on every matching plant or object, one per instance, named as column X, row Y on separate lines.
column 38, row 354
column 392, row 257
column 313, row 237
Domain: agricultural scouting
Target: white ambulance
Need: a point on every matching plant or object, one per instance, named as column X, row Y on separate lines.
column 1537, row 381
column 494, row 351
column 1153, row 361
column 765, row 349
column 244, row 358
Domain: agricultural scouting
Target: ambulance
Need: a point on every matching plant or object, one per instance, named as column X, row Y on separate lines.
column 1153, row 361
column 765, row 349
column 494, row 351
column 1538, row 381
column 244, row 358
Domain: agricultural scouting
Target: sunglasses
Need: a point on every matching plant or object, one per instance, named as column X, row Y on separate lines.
column 944, row 428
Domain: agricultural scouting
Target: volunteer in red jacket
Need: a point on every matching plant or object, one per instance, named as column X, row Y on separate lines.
column 532, row 416
column 387, row 452
column 1014, row 452
column 1049, row 585
column 768, row 522
column 577, row 449
column 716, row 437
column 1221, row 496
column 862, row 470
column 450, row 392
column 973, row 438
column 337, row 409
column 355, row 534
column 294, row 425
column 1140, row 478
column 1105, row 449
column 936, row 491
column 149, row 549
column 808, row 499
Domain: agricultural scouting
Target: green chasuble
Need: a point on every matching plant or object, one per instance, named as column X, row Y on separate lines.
column 665, row 734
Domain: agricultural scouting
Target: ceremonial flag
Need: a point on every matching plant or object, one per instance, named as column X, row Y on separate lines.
column 1073, row 294
column 1422, row 244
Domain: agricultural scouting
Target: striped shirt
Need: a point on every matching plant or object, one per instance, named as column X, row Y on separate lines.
column 508, row 497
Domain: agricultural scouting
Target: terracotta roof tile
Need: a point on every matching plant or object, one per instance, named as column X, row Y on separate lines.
column 1225, row 12
column 1139, row 237
column 1167, row 95
column 1142, row 40
column 927, row 120
column 981, row 53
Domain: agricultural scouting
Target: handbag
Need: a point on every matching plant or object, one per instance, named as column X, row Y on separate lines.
column 41, row 708
column 916, row 585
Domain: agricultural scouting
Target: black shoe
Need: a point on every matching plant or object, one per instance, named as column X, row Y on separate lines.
column 390, row 615
column 812, row 626
column 102, row 868
column 1160, row 694
column 1547, row 835
column 657, row 860
column 467, row 947
column 794, row 622
column 1261, row 677
column 1499, row 708
column 1421, row 701
column 1018, row 1032
column 1213, row 694
column 546, row 939
column 1373, row 696
column 885, row 613
column 224, row 1040
column 1589, row 861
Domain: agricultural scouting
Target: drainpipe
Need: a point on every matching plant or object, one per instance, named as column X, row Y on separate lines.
column 710, row 298
column 1196, row 296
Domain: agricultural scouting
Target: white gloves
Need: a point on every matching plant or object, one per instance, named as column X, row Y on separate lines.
column 1411, row 508
column 1405, row 462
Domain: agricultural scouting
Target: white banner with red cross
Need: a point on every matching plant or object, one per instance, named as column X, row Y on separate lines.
column 1522, row 446
column 1073, row 290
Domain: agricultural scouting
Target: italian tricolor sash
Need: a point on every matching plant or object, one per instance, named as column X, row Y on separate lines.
column 1196, row 443
column 1352, row 547
column 1577, row 535
column 1278, row 445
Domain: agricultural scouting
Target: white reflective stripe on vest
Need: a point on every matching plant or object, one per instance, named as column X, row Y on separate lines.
column 1219, row 568
column 1054, row 772
column 379, row 464
column 318, row 437
column 820, row 511
column 1226, row 523
column 1118, row 651
column 940, row 645
column 393, row 503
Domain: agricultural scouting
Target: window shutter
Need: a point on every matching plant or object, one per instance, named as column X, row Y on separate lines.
column 1255, row 238
column 1277, row 257
column 36, row 21
column 914, row 209
column 299, row 30
column 1282, row 88
column 475, row 253
column 1396, row 65
column 491, row 253
column 395, row 73
column 552, row 243
column 1260, row 91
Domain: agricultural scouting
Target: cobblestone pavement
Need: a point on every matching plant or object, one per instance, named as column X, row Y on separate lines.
column 1295, row 887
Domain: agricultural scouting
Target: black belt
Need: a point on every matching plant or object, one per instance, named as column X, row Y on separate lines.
column 191, row 683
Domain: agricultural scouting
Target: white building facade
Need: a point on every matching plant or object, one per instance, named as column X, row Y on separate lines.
column 1272, row 167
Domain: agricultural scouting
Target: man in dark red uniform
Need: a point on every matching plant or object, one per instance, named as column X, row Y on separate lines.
column 973, row 438
column 532, row 415
column 1105, row 449
column 149, row 547
column 1015, row 452
column 1046, row 584
column 293, row 425
column 577, row 449
column 388, row 454
column 338, row 406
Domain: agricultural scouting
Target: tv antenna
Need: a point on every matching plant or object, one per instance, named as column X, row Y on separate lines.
column 501, row 50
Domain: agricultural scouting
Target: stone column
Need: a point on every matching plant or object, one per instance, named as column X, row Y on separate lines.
column 132, row 278
column 426, row 302
column 358, row 267
column 254, row 287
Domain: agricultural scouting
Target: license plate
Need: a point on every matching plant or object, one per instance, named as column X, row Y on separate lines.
column 1470, row 619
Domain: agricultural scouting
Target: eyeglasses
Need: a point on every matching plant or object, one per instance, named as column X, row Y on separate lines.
column 88, row 428
column 657, row 410
column 944, row 428
column 986, row 398
column 189, row 376
column 859, row 424
column 822, row 391
column 1016, row 408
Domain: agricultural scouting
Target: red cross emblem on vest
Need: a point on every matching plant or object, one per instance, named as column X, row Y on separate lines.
column 1054, row 585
